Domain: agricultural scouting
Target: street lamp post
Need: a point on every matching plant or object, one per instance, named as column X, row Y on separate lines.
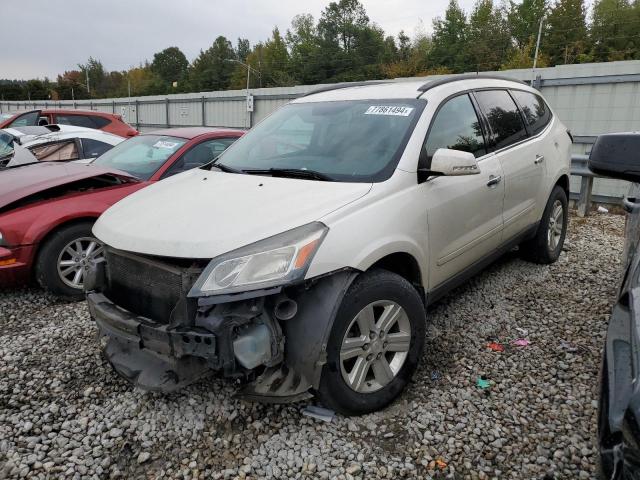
column 535, row 57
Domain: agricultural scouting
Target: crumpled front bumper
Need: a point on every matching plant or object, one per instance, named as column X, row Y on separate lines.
column 151, row 355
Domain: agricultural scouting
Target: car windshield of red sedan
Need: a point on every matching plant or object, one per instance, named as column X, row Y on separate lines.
column 141, row 156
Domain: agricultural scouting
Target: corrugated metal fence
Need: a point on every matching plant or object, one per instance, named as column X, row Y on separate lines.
column 590, row 99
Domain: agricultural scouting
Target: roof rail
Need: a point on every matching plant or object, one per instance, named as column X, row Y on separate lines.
column 467, row 76
column 340, row 86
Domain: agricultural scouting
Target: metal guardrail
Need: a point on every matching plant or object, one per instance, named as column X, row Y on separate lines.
column 580, row 168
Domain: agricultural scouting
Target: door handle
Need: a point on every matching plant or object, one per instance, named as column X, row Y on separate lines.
column 631, row 204
column 539, row 159
column 494, row 180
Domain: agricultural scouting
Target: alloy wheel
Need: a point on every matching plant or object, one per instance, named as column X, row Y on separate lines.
column 75, row 258
column 375, row 346
column 556, row 224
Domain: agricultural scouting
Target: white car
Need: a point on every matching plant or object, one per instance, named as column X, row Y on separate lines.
column 303, row 259
column 22, row 145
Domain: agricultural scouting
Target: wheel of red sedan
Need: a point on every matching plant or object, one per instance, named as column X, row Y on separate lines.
column 75, row 258
column 65, row 257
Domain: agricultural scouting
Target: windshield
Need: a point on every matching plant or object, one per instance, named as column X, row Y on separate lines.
column 349, row 141
column 6, row 144
column 141, row 156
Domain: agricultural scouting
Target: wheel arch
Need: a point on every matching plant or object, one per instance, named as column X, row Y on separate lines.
column 563, row 181
column 56, row 228
column 405, row 265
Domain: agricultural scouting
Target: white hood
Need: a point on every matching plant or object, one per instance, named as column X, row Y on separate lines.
column 203, row 214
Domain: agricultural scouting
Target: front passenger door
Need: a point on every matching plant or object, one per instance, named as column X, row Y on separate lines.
column 464, row 212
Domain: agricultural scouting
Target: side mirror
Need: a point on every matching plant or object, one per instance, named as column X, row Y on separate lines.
column 449, row 162
column 617, row 155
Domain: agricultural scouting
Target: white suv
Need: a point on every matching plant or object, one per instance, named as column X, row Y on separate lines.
column 303, row 259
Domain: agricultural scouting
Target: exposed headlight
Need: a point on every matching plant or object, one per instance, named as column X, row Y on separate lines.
column 278, row 260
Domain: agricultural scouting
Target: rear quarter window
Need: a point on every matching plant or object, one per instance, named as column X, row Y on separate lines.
column 535, row 111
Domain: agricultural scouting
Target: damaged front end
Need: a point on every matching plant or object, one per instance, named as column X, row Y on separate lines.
column 160, row 338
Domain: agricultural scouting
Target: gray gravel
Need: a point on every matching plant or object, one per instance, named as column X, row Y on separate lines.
column 64, row 413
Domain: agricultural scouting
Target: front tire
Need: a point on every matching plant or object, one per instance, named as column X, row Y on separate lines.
column 547, row 244
column 65, row 257
column 375, row 344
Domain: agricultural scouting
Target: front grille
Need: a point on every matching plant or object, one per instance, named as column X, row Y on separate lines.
column 149, row 286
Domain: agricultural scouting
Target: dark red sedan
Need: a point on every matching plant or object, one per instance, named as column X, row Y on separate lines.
column 108, row 122
column 47, row 209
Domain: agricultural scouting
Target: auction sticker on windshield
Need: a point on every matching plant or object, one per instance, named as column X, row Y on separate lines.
column 389, row 110
column 165, row 144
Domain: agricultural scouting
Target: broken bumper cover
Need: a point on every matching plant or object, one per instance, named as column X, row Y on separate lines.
column 153, row 356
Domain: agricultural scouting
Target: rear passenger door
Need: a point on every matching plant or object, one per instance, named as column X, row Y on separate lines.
column 519, row 156
column 464, row 212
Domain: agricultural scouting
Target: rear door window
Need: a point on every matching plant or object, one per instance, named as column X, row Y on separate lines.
column 26, row 120
column 534, row 110
column 456, row 126
column 56, row 151
column 504, row 117
column 93, row 148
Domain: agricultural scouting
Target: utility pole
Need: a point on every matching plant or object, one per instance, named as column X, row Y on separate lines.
column 535, row 57
column 249, row 68
column 88, row 88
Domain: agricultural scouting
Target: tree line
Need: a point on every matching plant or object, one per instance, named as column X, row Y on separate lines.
column 344, row 44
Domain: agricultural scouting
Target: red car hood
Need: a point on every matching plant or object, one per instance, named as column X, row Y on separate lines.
column 20, row 182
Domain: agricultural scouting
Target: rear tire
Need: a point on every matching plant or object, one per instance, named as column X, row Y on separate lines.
column 367, row 370
column 56, row 266
column 547, row 244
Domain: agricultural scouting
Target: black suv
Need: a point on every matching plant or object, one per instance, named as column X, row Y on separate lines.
column 618, row 155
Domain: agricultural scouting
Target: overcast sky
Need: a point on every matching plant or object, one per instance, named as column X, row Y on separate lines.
column 44, row 37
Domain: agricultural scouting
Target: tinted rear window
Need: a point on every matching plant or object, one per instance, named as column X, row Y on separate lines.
column 87, row 121
column 535, row 111
column 504, row 117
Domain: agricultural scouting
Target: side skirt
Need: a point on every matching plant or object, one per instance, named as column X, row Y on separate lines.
column 461, row 277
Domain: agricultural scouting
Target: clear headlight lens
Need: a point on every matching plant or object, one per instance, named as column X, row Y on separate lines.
column 278, row 260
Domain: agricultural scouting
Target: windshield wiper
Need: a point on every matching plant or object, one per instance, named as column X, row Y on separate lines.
column 223, row 167
column 295, row 173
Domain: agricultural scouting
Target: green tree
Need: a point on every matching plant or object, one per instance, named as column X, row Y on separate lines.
column 524, row 20
column 449, row 39
column 97, row 77
column 488, row 37
column 522, row 57
column 349, row 45
column 614, row 30
column 243, row 49
column 305, row 52
column 404, row 46
column 274, row 64
column 70, row 85
column 170, row 65
column 566, row 33
column 212, row 69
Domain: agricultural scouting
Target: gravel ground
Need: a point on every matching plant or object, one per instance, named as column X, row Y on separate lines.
column 64, row 413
